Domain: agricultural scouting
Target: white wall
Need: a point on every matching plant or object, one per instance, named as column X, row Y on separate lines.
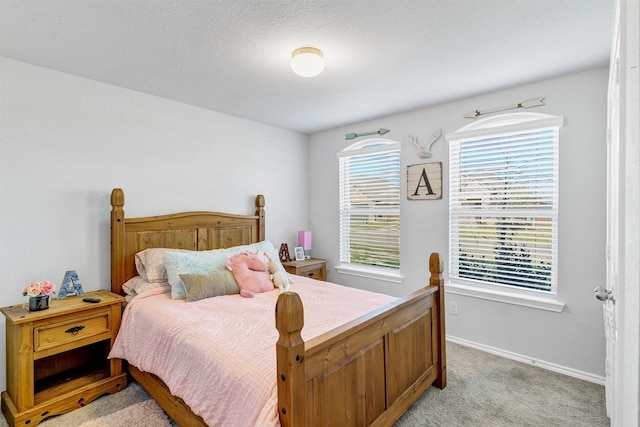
column 572, row 340
column 66, row 142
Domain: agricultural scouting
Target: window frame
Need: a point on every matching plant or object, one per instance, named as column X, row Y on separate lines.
column 368, row 147
column 496, row 126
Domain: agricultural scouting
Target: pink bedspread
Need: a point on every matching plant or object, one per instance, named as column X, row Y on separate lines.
column 218, row 354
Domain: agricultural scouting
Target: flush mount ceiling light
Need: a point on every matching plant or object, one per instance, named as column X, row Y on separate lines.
column 307, row 61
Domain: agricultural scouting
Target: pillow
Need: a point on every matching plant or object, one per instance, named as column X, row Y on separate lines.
column 219, row 282
column 136, row 285
column 178, row 262
column 150, row 263
column 194, row 262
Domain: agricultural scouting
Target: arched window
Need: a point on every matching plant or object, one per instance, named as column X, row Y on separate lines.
column 370, row 205
column 503, row 203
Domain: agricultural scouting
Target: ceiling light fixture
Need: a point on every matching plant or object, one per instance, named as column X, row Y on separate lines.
column 307, row 61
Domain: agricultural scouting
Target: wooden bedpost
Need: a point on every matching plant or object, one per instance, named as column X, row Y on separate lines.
column 260, row 215
column 435, row 267
column 290, row 360
column 117, row 240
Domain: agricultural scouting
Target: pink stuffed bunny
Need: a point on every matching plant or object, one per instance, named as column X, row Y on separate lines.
column 250, row 273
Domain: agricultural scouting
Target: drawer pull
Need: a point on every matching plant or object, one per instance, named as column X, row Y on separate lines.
column 74, row 330
column 310, row 274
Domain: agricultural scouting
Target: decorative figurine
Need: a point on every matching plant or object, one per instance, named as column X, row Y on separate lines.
column 284, row 253
column 70, row 285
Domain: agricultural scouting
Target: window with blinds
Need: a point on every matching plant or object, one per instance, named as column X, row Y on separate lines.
column 503, row 202
column 370, row 204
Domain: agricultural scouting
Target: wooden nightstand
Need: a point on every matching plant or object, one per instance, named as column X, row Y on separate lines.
column 57, row 358
column 314, row 268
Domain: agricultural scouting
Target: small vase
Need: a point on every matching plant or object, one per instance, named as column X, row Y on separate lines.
column 37, row 303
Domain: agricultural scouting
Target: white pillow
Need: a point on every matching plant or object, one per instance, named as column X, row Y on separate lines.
column 150, row 263
column 136, row 285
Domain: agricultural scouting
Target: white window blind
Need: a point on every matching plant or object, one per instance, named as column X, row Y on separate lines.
column 370, row 204
column 503, row 205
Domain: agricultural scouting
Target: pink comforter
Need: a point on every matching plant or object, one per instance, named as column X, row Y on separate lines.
column 218, row 354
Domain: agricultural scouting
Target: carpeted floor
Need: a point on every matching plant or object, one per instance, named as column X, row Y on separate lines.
column 487, row 390
column 482, row 390
column 132, row 407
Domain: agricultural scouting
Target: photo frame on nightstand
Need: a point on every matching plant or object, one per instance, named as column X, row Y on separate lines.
column 298, row 252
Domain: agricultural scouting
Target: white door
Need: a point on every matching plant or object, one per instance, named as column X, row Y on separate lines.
column 608, row 293
column 621, row 294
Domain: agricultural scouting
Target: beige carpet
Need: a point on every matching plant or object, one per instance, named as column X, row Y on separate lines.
column 137, row 415
column 487, row 390
column 482, row 390
column 132, row 407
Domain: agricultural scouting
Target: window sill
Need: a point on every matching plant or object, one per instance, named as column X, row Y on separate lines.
column 370, row 273
column 531, row 301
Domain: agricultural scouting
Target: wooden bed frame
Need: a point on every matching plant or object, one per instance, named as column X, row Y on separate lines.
column 366, row 372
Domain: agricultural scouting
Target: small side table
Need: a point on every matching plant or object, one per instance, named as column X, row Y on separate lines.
column 57, row 358
column 314, row 268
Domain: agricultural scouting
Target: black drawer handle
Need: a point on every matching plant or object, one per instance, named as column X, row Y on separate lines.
column 310, row 274
column 74, row 330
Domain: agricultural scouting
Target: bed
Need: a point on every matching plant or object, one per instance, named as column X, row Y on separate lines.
column 367, row 371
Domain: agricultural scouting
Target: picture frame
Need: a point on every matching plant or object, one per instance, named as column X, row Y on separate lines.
column 424, row 181
column 299, row 253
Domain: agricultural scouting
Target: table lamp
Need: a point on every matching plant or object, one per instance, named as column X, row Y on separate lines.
column 304, row 240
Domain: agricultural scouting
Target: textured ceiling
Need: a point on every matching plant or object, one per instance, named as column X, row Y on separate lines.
column 381, row 56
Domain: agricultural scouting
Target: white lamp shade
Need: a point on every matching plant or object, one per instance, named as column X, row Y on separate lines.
column 307, row 61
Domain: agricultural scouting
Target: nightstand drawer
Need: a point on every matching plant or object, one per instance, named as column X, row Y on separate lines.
column 311, row 272
column 71, row 330
column 314, row 268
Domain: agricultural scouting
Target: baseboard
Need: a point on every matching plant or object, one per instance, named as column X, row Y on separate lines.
column 530, row 361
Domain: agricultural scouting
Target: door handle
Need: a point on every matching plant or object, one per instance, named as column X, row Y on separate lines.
column 604, row 294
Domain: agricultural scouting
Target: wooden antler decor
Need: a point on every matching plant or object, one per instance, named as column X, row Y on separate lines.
column 423, row 151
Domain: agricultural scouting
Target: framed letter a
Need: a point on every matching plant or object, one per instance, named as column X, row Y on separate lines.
column 424, row 181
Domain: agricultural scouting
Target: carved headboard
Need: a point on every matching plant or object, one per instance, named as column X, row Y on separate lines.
column 186, row 230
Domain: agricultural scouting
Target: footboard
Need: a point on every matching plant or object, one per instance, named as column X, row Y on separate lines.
column 367, row 372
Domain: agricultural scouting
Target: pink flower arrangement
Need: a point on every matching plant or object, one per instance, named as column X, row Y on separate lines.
column 39, row 288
